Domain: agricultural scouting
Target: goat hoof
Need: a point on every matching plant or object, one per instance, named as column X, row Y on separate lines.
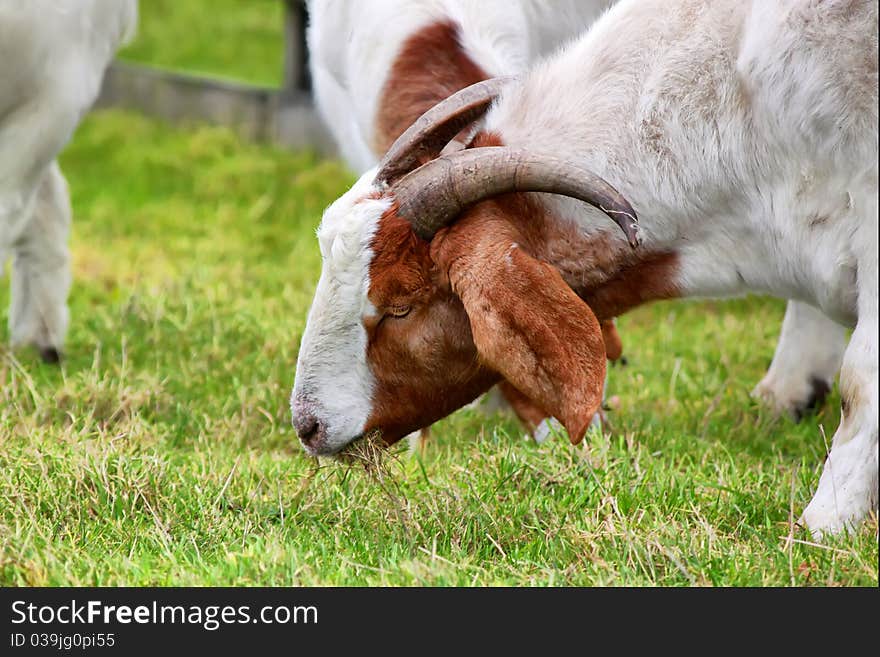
column 798, row 403
column 819, row 390
column 50, row 355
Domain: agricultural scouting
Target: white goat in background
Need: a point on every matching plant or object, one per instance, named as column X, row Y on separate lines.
column 53, row 54
column 362, row 53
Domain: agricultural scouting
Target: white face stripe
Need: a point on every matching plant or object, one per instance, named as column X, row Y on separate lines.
column 332, row 374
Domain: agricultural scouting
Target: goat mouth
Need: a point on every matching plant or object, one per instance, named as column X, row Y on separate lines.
column 365, row 448
column 322, row 448
column 350, row 450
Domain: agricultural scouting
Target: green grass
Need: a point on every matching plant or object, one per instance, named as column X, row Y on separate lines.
column 161, row 451
column 242, row 39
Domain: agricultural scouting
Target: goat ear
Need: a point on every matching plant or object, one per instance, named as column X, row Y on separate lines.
column 528, row 325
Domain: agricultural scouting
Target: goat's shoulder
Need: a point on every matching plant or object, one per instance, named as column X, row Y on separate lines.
column 811, row 69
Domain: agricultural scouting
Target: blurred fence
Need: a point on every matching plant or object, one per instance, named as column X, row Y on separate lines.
column 284, row 115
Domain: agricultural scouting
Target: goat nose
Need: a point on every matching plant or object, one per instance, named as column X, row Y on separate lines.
column 308, row 428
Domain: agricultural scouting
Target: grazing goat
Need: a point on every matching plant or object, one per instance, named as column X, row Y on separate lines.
column 53, row 54
column 401, row 59
column 745, row 136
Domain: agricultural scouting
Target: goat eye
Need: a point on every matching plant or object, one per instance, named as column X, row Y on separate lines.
column 399, row 311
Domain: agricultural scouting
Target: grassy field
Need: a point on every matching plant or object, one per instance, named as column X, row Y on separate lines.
column 161, row 452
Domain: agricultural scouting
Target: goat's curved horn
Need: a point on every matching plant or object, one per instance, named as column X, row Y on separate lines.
column 433, row 195
column 425, row 138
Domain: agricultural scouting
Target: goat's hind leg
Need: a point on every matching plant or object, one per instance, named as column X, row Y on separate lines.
column 41, row 270
column 807, row 359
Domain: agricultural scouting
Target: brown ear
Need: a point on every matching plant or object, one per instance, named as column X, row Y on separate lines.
column 527, row 324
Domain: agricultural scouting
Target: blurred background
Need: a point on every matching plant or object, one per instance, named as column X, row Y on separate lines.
column 229, row 39
column 241, row 64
